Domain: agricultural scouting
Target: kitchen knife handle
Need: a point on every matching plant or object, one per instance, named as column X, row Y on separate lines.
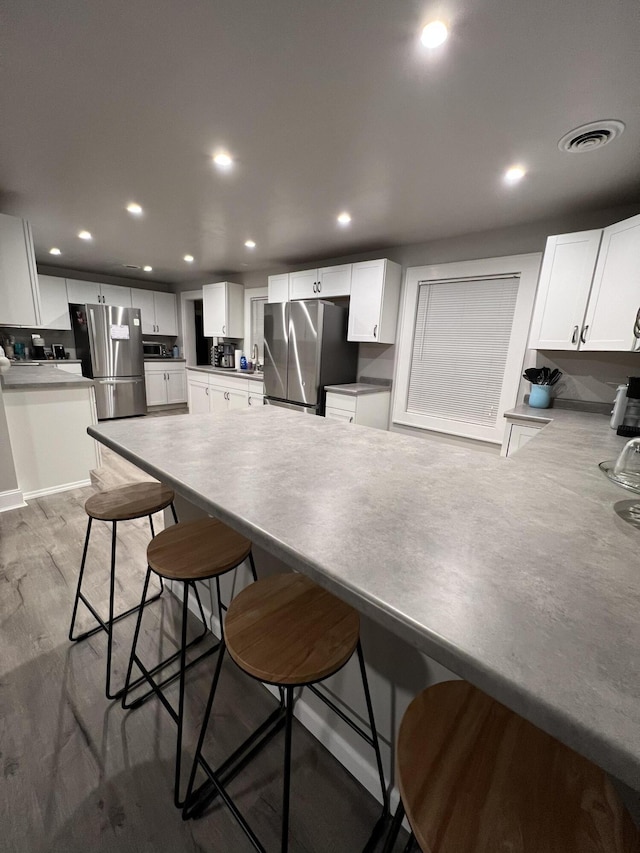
column 574, row 336
column 583, row 336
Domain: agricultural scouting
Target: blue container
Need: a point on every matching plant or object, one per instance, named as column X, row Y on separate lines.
column 540, row 396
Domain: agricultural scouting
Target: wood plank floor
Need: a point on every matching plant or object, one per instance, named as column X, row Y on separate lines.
column 76, row 772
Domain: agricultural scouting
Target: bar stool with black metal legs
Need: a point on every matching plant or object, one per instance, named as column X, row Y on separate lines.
column 476, row 777
column 286, row 631
column 122, row 503
column 187, row 552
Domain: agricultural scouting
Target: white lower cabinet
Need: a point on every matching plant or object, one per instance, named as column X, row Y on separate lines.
column 216, row 392
column 366, row 409
column 517, row 434
column 69, row 368
column 166, row 383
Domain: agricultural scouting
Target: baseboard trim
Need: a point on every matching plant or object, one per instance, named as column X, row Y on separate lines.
column 364, row 771
column 11, row 499
column 54, row 490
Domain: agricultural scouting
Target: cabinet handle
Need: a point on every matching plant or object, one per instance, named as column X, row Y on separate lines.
column 206, row 391
column 319, row 286
column 583, row 336
column 351, row 420
column 375, row 331
column 636, row 325
column 249, row 400
column 315, row 284
column 223, row 330
column 574, row 336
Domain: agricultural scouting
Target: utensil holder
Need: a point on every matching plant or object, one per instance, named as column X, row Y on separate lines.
column 540, row 396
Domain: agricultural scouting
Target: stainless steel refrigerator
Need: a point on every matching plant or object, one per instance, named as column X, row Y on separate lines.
column 109, row 343
column 305, row 349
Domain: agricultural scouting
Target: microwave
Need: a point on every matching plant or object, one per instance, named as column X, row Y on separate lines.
column 151, row 349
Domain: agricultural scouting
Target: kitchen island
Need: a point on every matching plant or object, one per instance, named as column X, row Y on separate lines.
column 514, row 573
column 48, row 411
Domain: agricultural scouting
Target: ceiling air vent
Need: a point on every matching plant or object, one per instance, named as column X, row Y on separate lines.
column 591, row 136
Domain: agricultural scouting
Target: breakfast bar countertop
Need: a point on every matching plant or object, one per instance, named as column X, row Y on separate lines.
column 516, row 573
column 41, row 376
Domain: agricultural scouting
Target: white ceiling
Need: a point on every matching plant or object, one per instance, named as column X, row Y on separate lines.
column 327, row 105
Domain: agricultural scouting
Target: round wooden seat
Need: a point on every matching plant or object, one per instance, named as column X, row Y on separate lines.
column 133, row 500
column 287, row 630
column 195, row 550
column 477, row 778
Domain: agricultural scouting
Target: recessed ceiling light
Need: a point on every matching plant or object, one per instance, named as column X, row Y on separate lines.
column 434, row 34
column 188, row 258
column 344, row 218
column 134, row 208
column 85, row 235
column 250, row 244
column 147, row 268
column 55, row 251
column 223, row 160
column 514, row 174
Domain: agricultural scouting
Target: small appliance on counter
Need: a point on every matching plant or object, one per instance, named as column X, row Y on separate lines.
column 58, row 352
column 152, row 349
column 625, row 417
column 37, row 347
column 223, row 355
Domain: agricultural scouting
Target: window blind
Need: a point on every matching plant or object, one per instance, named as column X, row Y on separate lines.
column 460, row 348
column 257, row 325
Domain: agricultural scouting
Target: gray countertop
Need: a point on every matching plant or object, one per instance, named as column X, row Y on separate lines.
column 45, row 362
column 155, row 359
column 516, row 573
column 356, row 389
column 42, row 377
column 221, row 371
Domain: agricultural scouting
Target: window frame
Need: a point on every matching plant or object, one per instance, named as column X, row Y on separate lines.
column 527, row 268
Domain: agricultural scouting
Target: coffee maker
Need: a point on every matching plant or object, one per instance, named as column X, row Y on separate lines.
column 37, row 350
column 625, row 418
column 224, row 356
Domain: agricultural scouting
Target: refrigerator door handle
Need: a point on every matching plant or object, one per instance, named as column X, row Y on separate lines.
column 118, row 381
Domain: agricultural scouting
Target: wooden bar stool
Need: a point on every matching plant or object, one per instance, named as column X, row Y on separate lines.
column 287, row 631
column 475, row 778
column 123, row 503
column 186, row 552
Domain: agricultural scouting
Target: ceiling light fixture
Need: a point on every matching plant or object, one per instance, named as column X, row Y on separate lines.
column 223, row 160
column 85, row 235
column 344, row 218
column 147, row 268
column 189, row 259
column 514, row 174
column 434, row 34
column 55, row 251
column 250, row 244
column 134, row 208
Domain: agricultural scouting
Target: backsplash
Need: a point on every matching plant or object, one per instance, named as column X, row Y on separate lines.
column 590, row 376
column 23, row 336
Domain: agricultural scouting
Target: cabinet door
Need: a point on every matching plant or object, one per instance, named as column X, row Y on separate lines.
column 18, row 278
column 214, row 309
column 83, row 291
column 156, row 385
column 255, row 400
column 614, row 303
column 278, row 288
column 218, row 399
column 303, row 284
column 365, row 305
column 54, row 307
column 143, row 299
column 334, row 281
column 166, row 313
column 198, row 396
column 563, row 291
column 237, row 399
column 520, row 435
column 176, row 386
column 113, row 294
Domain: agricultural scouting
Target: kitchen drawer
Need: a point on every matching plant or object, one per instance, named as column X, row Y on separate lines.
column 255, row 399
column 339, row 415
column 341, row 401
column 231, row 383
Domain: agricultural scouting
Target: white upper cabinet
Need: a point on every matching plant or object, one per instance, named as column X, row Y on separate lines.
column 157, row 311
column 375, row 296
column 19, row 298
column 223, row 310
column 563, row 290
column 54, row 305
column 278, row 290
column 94, row 292
column 589, row 292
column 166, row 313
column 614, row 304
column 326, row 281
